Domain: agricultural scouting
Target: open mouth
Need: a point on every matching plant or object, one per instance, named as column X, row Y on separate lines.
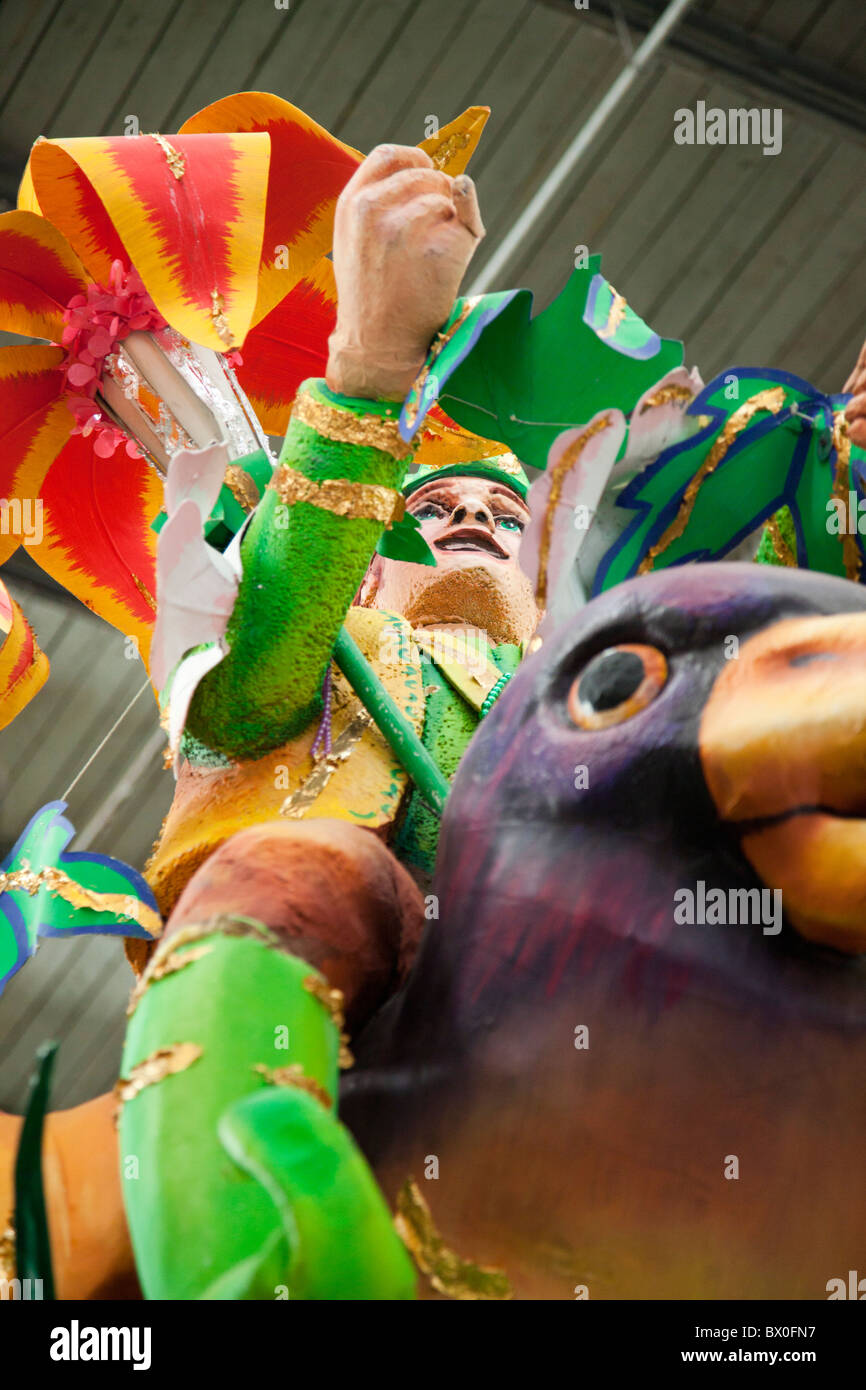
column 472, row 538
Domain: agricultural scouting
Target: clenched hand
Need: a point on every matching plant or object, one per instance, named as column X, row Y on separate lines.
column 403, row 236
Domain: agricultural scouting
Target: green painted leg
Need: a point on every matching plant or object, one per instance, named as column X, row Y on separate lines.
column 335, row 1226
column 222, row 1169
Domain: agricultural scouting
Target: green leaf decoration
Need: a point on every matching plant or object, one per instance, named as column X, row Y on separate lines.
column 26, row 917
column 404, row 541
column 527, row 379
column 32, row 1238
column 766, row 442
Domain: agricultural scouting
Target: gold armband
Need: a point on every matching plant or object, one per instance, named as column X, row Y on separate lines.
column 374, row 431
column 362, row 501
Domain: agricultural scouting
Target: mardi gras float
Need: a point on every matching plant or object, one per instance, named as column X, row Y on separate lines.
column 459, row 713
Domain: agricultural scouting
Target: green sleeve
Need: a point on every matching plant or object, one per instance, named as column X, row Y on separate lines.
column 302, row 565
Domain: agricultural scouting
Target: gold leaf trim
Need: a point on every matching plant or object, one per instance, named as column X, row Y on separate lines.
column 8, row 1266
column 173, row 157
column 331, row 422
column 447, row 1272
column 166, row 1061
column 296, row 804
column 665, row 395
column 442, row 338
column 781, row 549
column 841, row 487
column 364, row 501
column 560, row 472
column 241, row 486
column 772, row 399
column 144, row 591
column 218, row 318
column 445, row 151
column 168, row 965
column 166, row 959
column 60, row 885
column 615, row 315
column 294, row 1075
column 334, row 1001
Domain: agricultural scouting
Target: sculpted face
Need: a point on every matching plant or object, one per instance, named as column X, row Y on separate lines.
column 473, row 526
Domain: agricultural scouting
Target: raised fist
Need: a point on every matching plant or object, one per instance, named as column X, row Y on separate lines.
column 403, row 236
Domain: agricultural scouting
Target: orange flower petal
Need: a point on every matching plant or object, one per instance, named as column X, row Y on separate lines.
column 309, row 167
column 97, row 538
column 23, row 665
column 27, row 200
column 288, row 346
column 34, row 425
column 39, row 274
column 187, row 212
column 62, row 192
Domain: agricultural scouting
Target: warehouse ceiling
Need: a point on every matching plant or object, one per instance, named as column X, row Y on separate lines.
column 750, row 259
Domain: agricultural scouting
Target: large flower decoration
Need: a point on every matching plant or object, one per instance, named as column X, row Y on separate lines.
column 164, row 272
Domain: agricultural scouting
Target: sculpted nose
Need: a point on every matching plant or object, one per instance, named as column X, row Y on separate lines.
column 479, row 515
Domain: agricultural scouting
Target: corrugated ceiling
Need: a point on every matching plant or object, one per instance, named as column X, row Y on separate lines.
column 749, row 259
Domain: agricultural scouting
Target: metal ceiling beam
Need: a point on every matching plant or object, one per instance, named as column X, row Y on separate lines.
column 754, row 58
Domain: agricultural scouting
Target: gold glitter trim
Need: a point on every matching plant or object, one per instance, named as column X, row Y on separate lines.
column 330, row 422
column 218, row 318
column 443, row 337
column 168, row 965
column 615, row 315
column 166, row 1061
column 173, row 158
column 772, row 400
column 8, row 1265
column 296, row 804
column 241, row 487
column 60, row 885
column 781, row 549
column 363, row 501
column 145, row 592
column 560, row 472
column 665, row 395
column 294, row 1075
column 447, row 1272
column 333, row 1000
column 841, row 487
column 447, row 149
column 162, row 962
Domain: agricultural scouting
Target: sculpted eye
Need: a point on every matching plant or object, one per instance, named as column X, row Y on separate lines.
column 615, row 685
column 509, row 523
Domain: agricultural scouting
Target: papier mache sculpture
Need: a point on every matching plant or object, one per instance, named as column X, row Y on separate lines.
column 545, row 1060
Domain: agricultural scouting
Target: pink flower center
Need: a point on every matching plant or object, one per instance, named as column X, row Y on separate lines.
column 96, row 324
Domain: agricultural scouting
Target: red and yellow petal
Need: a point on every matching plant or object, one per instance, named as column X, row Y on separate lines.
column 55, row 184
column 454, row 146
column 309, row 167
column 186, row 212
column 97, row 539
column 35, row 423
column 288, row 346
column 23, row 665
column 27, row 200
column 39, row 274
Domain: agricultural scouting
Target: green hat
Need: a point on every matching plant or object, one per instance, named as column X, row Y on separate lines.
column 501, row 468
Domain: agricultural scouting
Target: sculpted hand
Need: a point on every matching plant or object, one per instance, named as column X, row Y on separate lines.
column 404, row 234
